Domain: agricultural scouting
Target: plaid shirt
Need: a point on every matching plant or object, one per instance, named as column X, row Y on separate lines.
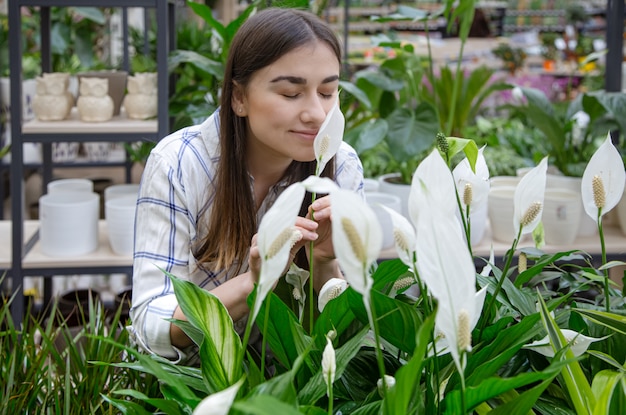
column 177, row 190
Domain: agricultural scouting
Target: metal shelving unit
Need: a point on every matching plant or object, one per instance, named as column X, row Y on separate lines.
column 117, row 130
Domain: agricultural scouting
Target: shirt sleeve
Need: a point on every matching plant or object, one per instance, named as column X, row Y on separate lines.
column 162, row 243
column 349, row 170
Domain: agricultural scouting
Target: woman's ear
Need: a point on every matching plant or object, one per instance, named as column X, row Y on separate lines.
column 238, row 100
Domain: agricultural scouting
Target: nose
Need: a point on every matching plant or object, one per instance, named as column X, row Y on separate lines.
column 314, row 111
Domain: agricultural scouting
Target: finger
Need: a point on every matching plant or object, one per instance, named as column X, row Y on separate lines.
column 306, row 224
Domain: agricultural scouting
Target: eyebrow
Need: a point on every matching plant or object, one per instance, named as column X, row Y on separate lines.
column 301, row 81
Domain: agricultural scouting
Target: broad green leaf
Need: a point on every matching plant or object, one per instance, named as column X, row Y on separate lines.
column 204, row 11
column 285, row 334
column 488, row 358
column 371, row 134
column 576, row 383
column 199, row 61
column 263, row 405
column 611, row 320
column 221, row 349
column 397, row 321
column 491, row 387
column 603, row 386
column 167, row 406
column 316, row 388
column 402, row 398
column 282, row 386
column 524, row 402
column 411, row 132
column 356, row 92
column 539, row 266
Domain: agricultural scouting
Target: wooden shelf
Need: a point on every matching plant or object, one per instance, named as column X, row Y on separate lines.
column 103, row 256
column 73, row 125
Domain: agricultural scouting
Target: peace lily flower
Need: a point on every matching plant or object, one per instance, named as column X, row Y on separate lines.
column 432, row 185
column 218, row 403
column 315, row 184
column 275, row 238
column 357, row 238
column 578, row 343
column 329, row 364
column 389, row 382
column 581, row 121
column 329, row 137
column 403, row 235
column 329, row 291
column 450, row 278
column 529, row 197
column 478, row 181
column 442, row 345
column 297, row 278
column 603, row 180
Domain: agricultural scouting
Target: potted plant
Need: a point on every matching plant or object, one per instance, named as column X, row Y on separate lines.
column 549, row 51
column 512, row 57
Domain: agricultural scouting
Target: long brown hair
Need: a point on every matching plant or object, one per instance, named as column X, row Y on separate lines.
column 260, row 41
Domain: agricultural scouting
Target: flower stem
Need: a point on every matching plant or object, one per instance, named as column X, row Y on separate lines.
column 462, row 377
column 263, row 342
column 505, row 270
column 374, row 324
column 311, row 278
column 330, row 399
column 607, row 294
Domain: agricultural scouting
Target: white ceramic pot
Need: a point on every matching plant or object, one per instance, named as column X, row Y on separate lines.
column 377, row 199
column 118, row 190
column 119, row 214
column 501, row 210
column 390, row 184
column 69, row 223
column 70, row 185
column 499, row 181
column 587, row 226
column 561, row 216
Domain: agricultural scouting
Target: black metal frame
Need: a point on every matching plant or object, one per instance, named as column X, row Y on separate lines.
column 166, row 41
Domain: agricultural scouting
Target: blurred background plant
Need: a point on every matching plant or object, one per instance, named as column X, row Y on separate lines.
column 513, row 58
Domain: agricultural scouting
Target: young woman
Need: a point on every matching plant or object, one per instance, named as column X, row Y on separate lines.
column 205, row 188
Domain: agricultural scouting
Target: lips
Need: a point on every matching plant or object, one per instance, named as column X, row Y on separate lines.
column 306, row 134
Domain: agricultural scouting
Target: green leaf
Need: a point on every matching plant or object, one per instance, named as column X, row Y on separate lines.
column 167, row 406
column 402, row 397
column 282, row 386
column 357, row 93
column 603, row 386
column 371, row 134
column 494, row 386
column 611, row 320
column 397, row 321
column 204, row 11
column 201, row 62
column 285, row 334
column 576, row 383
column 524, row 402
column 411, row 132
column 263, row 405
column 316, row 387
column 221, row 349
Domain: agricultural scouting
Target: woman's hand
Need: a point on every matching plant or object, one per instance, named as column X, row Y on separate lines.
column 323, row 248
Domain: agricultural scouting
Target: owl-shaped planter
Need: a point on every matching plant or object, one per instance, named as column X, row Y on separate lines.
column 140, row 102
column 94, row 103
column 52, row 100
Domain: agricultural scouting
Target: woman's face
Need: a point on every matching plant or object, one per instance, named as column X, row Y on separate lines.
column 286, row 102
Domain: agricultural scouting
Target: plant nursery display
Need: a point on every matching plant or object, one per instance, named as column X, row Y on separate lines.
column 433, row 329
